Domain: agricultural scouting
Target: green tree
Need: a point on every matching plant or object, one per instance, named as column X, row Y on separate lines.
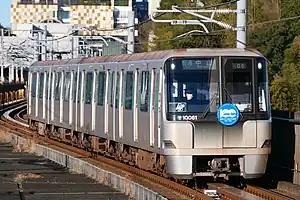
column 285, row 89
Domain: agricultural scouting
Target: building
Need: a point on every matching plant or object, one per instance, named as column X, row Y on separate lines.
column 88, row 20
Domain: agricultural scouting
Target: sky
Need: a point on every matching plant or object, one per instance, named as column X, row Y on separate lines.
column 5, row 12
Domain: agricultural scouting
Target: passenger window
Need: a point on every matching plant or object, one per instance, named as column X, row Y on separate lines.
column 111, row 88
column 117, row 90
column 67, row 86
column 74, row 86
column 88, row 87
column 128, row 90
column 41, row 85
column 46, row 84
column 57, row 85
column 156, row 92
column 33, row 84
column 101, row 88
column 79, row 87
column 144, row 91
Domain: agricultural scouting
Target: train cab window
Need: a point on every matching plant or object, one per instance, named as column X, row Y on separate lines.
column 41, row 85
column 262, row 84
column 67, row 83
column 144, row 91
column 33, row 84
column 74, row 87
column 57, row 85
column 111, row 87
column 101, row 88
column 88, row 87
column 238, row 82
column 192, row 85
column 129, row 87
column 117, row 90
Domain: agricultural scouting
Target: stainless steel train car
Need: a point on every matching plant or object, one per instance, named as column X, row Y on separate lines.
column 181, row 113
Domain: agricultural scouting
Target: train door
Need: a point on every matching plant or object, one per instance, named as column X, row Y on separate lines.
column 49, row 89
column 37, row 94
column 29, row 93
column 136, row 107
column 61, row 96
column 75, row 99
column 71, row 97
column 111, row 117
column 81, row 99
column 44, row 94
column 52, row 95
column 88, row 101
column 94, row 100
column 152, row 108
column 159, row 79
column 118, row 105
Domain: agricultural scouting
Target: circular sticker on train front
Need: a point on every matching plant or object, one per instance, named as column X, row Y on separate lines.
column 228, row 114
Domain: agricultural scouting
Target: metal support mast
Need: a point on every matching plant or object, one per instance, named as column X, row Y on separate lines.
column 130, row 40
column 241, row 24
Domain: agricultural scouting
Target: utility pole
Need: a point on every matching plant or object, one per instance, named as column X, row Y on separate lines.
column 241, row 24
column 131, row 32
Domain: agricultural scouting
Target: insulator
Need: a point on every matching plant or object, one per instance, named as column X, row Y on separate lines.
column 224, row 25
column 224, row 11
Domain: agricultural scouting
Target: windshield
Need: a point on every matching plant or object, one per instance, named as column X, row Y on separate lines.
column 192, row 85
column 238, row 88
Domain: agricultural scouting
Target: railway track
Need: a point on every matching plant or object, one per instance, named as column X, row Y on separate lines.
column 14, row 120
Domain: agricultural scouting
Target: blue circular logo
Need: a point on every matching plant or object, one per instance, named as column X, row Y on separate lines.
column 228, row 114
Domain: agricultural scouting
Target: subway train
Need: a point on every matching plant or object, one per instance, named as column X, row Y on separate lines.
column 186, row 114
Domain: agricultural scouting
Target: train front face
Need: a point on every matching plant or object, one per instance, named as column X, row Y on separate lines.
column 216, row 117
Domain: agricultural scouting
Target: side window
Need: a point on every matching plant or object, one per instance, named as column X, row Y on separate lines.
column 33, row 84
column 111, row 87
column 57, row 85
column 144, row 91
column 129, row 86
column 74, row 86
column 41, row 85
column 156, row 91
column 101, row 88
column 88, row 87
column 79, row 86
column 117, row 90
column 46, row 74
column 67, row 82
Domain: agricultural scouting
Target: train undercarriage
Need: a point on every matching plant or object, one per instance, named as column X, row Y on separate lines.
column 217, row 168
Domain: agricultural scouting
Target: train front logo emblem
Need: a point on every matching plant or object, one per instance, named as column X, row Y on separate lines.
column 228, row 114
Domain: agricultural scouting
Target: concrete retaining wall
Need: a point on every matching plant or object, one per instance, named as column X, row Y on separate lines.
column 76, row 165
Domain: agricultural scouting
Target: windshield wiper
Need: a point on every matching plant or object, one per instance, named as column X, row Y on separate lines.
column 209, row 105
column 230, row 99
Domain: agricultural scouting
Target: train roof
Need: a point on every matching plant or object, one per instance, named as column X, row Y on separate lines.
column 155, row 55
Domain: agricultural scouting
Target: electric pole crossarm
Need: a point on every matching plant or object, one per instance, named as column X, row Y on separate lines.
column 219, row 11
column 207, row 19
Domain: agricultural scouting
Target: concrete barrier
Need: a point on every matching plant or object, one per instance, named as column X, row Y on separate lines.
column 130, row 188
column 297, row 151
